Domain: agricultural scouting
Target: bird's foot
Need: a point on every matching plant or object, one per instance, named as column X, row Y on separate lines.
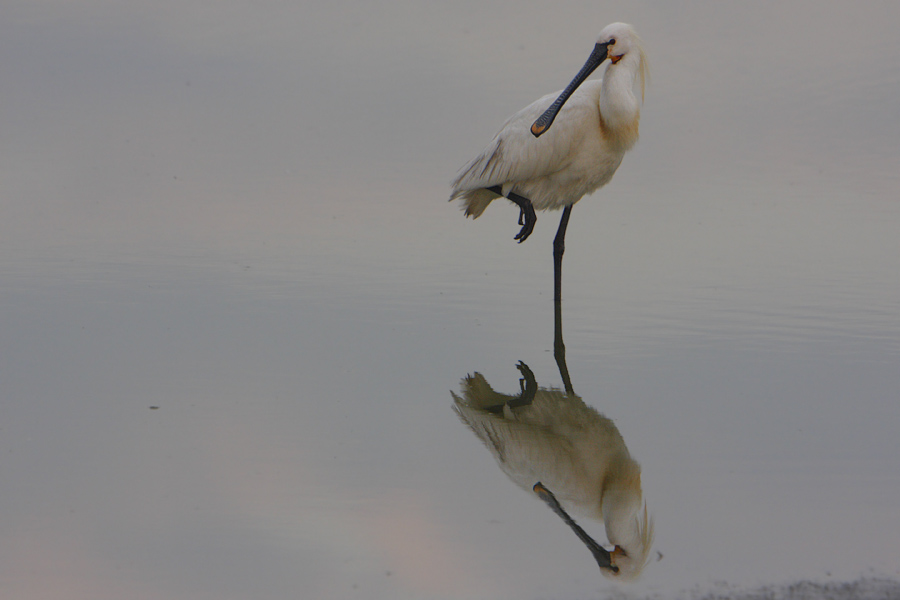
column 527, row 219
column 527, row 375
column 528, row 385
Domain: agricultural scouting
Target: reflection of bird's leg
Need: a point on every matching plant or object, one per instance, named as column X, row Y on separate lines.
column 527, row 218
column 528, row 385
column 559, row 349
column 559, row 246
column 601, row 554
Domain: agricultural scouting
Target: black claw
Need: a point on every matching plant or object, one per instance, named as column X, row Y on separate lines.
column 527, row 218
column 528, row 385
column 526, row 212
column 525, row 232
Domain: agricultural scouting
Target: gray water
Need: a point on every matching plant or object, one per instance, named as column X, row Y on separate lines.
column 234, row 301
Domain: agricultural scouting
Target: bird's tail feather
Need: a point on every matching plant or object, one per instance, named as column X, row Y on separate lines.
column 474, row 201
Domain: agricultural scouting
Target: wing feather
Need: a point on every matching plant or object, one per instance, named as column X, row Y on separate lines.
column 515, row 155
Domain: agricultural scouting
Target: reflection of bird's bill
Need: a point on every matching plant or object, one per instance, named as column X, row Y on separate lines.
column 604, row 558
column 598, row 55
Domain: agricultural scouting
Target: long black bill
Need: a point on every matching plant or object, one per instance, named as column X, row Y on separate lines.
column 601, row 554
column 543, row 123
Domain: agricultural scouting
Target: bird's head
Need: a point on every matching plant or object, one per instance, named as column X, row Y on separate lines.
column 630, row 528
column 622, row 41
column 619, row 39
column 616, row 41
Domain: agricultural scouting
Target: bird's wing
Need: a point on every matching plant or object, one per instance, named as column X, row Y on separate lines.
column 515, row 155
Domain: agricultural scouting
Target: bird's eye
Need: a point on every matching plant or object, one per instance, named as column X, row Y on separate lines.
column 612, row 41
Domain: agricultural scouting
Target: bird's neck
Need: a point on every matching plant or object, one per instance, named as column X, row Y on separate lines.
column 620, row 507
column 620, row 111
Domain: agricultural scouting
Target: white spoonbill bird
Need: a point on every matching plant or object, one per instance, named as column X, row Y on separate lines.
column 551, row 153
column 546, row 439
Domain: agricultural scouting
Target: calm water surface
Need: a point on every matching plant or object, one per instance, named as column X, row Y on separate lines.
column 230, row 332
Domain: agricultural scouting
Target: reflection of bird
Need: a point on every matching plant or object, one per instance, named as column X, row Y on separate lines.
column 595, row 124
column 544, row 439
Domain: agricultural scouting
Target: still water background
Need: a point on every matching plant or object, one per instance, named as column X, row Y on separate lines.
column 234, row 299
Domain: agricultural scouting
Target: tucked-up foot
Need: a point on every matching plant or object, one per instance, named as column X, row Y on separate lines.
column 527, row 218
column 528, row 385
column 527, row 211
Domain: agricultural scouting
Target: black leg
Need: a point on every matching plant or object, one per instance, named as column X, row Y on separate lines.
column 528, row 385
column 559, row 349
column 559, row 246
column 527, row 218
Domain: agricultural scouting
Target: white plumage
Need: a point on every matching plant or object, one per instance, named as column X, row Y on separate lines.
column 580, row 152
column 554, row 438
